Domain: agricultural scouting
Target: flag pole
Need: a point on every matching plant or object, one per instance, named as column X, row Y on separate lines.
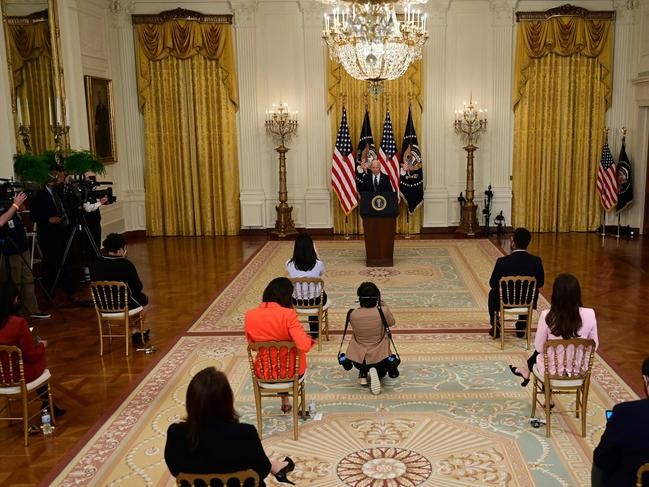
column 603, row 234
column 346, row 229
column 618, row 226
column 407, row 224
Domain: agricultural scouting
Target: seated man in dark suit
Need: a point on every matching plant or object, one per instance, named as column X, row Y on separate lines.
column 375, row 181
column 518, row 263
column 624, row 446
column 116, row 267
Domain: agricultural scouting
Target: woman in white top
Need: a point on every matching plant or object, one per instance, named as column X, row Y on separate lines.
column 305, row 263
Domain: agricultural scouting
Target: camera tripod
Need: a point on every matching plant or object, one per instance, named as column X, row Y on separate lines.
column 80, row 225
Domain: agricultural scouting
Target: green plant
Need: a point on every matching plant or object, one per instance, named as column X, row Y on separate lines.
column 30, row 167
column 81, row 161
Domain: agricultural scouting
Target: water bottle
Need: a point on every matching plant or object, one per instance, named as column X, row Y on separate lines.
column 312, row 409
column 46, row 421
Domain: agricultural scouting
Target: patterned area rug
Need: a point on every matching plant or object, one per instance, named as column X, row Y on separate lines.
column 434, row 284
column 456, row 416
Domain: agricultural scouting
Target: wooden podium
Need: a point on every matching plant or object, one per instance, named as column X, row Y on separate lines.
column 379, row 212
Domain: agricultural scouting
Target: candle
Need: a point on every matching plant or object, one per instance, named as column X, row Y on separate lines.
column 57, row 110
column 425, row 17
column 49, row 106
column 19, row 111
column 27, row 119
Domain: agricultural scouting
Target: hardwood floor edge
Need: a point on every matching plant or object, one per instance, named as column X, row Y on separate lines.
column 74, row 451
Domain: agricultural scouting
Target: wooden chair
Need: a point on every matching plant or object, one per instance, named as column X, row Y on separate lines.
column 243, row 477
column 516, row 299
column 572, row 361
column 303, row 289
column 266, row 361
column 13, row 386
column 644, row 469
column 111, row 305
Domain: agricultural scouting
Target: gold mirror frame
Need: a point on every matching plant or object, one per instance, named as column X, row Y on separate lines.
column 58, row 88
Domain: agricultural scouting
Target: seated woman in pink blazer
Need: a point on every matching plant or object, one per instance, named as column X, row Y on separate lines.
column 566, row 319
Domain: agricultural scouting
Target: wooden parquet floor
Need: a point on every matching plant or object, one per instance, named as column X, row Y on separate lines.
column 182, row 275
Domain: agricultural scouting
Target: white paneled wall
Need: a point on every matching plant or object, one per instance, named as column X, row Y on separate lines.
column 280, row 57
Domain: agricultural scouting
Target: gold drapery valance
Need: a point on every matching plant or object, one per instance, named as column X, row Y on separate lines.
column 183, row 39
column 398, row 95
column 563, row 36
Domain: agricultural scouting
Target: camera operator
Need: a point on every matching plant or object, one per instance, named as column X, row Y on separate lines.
column 52, row 229
column 369, row 348
column 15, row 255
column 93, row 220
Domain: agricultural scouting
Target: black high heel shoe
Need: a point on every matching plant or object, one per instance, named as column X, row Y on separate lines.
column 525, row 381
column 281, row 475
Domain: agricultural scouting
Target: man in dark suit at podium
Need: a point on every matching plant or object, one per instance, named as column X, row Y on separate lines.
column 374, row 181
column 518, row 263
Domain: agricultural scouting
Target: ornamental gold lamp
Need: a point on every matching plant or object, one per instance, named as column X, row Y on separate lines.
column 281, row 124
column 469, row 123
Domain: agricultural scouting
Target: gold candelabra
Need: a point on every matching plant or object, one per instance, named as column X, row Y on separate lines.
column 60, row 133
column 469, row 123
column 25, row 131
column 282, row 124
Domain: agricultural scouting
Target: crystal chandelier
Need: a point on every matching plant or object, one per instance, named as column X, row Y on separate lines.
column 372, row 42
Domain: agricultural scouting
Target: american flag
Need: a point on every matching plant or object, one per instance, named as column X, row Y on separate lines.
column 388, row 154
column 607, row 179
column 342, row 168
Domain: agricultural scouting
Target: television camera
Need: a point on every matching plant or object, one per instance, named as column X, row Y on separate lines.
column 78, row 190
column 9, row 188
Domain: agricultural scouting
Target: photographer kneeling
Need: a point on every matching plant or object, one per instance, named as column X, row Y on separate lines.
column 369, row 348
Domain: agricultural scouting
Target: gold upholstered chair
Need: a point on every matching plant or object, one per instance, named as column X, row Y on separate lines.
column 307, row 291
column 13, row 386
column 269, row 361
column 516, row 300
column 246, row 478
column 571, row 362
column 111, row 305
column 642, row 471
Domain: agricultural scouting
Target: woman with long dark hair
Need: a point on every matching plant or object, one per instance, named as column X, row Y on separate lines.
column 275, row 320
column 565, row 319
column 211, row 439
column 14, row 331
column 307, row 264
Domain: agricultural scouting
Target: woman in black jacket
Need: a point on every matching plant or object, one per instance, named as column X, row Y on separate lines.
column 211, row 439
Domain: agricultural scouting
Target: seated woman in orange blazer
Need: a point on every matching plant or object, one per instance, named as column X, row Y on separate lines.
column 275, row 320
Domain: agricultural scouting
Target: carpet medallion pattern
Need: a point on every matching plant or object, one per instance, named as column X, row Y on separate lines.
column 455, row 416
column 434, row 284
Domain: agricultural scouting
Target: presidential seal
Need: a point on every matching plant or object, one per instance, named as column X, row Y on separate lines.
column 379, row 203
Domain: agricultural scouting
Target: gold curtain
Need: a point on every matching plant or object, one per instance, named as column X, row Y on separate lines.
column 562, row 91
column 187, row 89
column 31, row 56
column 398, row 93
